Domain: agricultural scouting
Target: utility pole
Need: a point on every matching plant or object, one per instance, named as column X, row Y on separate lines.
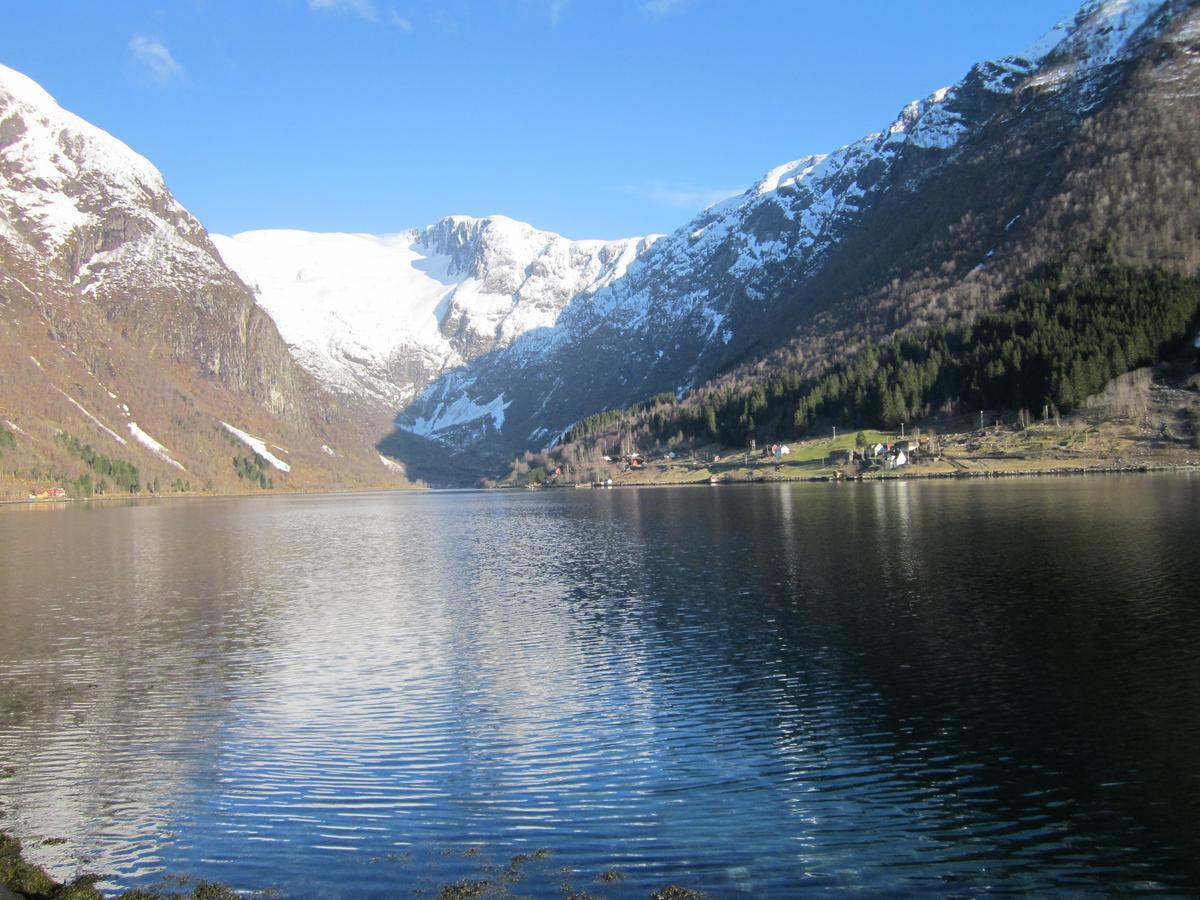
column 902, row 431
column 835, row 432
column 981, row 420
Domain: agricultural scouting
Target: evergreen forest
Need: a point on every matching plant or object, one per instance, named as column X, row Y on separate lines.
column 1057, row 339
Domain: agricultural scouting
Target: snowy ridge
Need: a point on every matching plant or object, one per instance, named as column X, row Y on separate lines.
column 73, row 193
column 792, row 215
column 1095, row 36
column 380, row 316
column 54, row 150
column 708, row 285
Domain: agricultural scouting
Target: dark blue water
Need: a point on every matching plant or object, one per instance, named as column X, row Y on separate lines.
column 903, row 689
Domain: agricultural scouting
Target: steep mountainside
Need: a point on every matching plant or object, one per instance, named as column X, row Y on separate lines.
column 121, row 326
column 376, row 318
column 930, row 220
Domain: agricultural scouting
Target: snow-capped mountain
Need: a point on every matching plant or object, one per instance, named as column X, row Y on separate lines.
column 120, row 323
column 379, row 317
column 80, row 202
column 955, row 178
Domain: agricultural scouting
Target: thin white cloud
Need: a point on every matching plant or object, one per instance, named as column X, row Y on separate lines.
column 154, row 56
column 364, row 9
column 680, row 196
column 405, row 25
column 656, row 9
column 553, row 10
column 558, row 8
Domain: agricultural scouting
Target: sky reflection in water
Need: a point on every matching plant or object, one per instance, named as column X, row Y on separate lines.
column 935, row 687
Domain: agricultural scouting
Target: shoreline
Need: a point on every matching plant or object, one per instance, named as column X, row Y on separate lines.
column 21, row 879
column 56, row 502
column 909, row 473
column 699, row 476
column 1079, row 447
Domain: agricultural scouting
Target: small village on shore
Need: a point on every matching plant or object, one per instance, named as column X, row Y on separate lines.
column 1047, row 448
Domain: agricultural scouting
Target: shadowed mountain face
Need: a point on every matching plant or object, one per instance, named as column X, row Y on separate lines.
column 929, row 220
column 122, row 326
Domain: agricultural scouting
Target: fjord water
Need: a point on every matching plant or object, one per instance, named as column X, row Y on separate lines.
column 910, row 688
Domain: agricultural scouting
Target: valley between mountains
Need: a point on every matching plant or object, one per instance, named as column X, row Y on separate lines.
column 851, row 290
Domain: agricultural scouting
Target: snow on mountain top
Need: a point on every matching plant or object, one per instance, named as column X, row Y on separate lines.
column 1097, row 32
column 1094, row 36
column 64, row 142
column 63, row 175
column 381, row 315
column 787, row 174
column 365, row 293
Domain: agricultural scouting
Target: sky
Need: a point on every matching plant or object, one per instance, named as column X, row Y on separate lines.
column 590, row 118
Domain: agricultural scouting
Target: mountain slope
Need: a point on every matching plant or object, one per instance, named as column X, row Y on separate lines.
column 121, row 325
column 376, row 318
column 930, row 219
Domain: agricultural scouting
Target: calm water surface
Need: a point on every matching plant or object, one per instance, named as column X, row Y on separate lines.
column 904, row 689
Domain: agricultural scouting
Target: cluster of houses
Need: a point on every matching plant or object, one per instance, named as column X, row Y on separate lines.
column 890, row 455
column 881, row 455
column 47, row 493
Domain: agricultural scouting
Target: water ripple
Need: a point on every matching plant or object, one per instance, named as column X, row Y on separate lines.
column 902, row 689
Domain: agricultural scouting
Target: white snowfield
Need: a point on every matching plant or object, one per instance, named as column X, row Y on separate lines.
column 259, row 446
column 361, row 312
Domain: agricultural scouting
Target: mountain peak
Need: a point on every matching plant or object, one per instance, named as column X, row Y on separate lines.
column 378, row 317
column 1095, row 35
column 52, row 149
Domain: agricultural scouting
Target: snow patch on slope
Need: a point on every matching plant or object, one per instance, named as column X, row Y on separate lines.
column 461, row 411
column 259, row 446
column 116, row 437
column 391, row 465
column 152, row 445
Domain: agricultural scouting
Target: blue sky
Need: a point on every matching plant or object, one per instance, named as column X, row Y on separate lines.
column 593, row 118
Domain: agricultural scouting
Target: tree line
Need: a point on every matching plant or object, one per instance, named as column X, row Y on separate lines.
column 122, row 474
column 1058, row 338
